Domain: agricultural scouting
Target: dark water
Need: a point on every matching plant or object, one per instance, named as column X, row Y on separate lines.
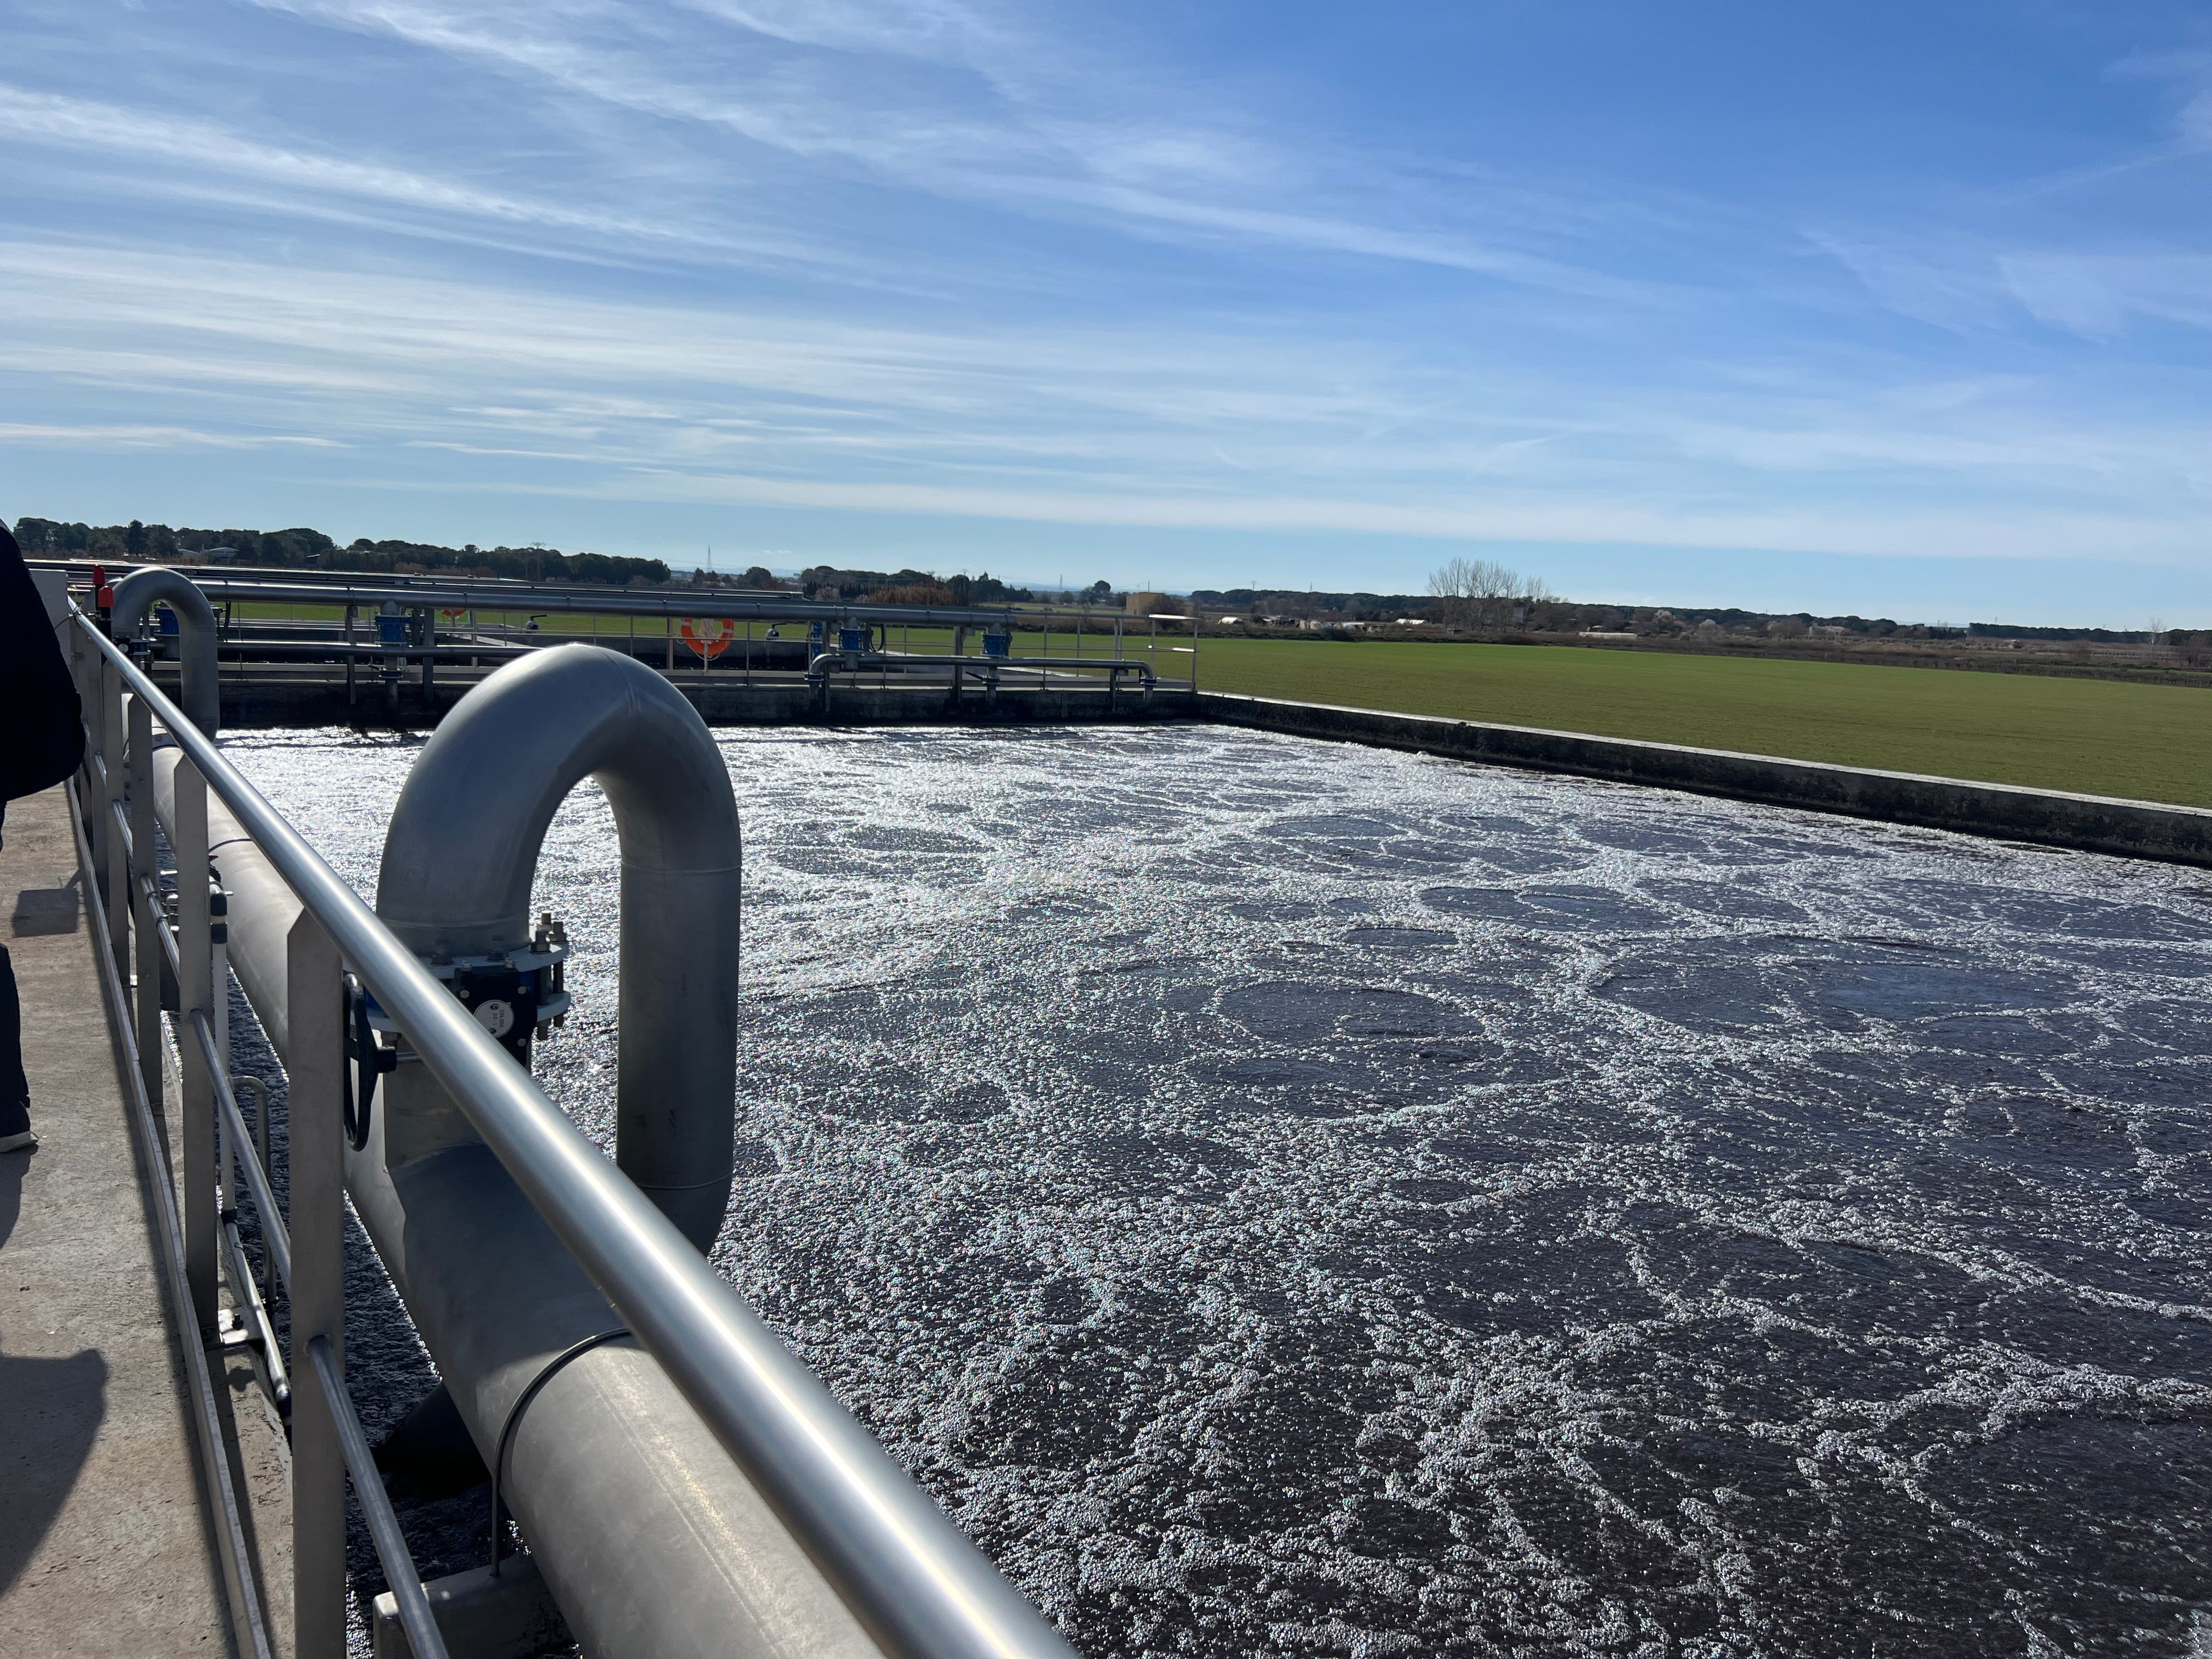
column 1290, row 1199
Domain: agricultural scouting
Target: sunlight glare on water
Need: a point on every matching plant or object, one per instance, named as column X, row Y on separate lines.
column 1293, row 1199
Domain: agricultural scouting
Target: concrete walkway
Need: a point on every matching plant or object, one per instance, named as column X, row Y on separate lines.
column 104, row 1545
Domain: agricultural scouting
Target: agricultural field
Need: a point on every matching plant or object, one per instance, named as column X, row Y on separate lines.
column 2097, row 737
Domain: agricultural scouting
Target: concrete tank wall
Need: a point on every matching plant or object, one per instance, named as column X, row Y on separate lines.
column 721, row 701
column 2092, row 824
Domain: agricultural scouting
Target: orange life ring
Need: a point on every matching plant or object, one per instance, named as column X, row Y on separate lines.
column 702, row 640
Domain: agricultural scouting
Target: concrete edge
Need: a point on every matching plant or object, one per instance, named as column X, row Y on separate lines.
column 2049, row 818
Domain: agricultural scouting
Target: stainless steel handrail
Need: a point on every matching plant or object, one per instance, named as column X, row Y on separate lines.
column 250, row 1627
column 606, row 602
column 384, row 1532
column 914, row 1581
column 1070, row 668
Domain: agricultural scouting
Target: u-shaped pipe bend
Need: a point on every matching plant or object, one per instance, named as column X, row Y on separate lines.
column 136, row 594
column 462, row 851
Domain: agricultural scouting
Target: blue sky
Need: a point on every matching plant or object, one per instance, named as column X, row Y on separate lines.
column 1899, row 309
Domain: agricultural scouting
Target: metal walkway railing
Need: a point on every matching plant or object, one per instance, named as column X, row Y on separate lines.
column 1090, row 640
column 914, row 1583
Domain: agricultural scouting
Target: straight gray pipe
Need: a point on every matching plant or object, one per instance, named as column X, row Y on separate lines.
column 652, row 1541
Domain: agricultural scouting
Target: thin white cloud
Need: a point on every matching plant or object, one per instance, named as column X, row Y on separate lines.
column 1149, row 178
column 1114, row 290
column 1946, row 290
column 198, row 149
column 149, row 437
column 657, row 402
column 1979, row 535
column 2097, row 295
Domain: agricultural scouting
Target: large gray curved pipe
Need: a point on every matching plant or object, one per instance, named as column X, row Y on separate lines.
column 136, row 594
column 653, row 1540
column 462, row 850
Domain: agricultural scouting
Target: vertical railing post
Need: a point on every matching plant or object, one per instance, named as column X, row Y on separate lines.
column 196, row 995
column 219, row 968
column 142, row 908
column 84, row 665
column 116, row 875
column 313, row 1065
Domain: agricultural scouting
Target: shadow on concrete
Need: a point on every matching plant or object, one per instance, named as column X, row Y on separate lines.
column 45, row 910
column 54, row 1409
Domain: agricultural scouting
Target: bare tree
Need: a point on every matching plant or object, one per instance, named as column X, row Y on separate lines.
column 1484, row 593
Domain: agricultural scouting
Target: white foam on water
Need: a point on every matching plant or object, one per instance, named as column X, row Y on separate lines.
column 1286, row 1198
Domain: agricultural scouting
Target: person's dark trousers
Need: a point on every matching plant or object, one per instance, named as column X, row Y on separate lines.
column 14, row 1087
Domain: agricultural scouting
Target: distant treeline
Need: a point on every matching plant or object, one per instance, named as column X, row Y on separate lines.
column 313, row 549
column 1534, row 611
column 1550, row 615
column 823, row 582
column 1287, row 599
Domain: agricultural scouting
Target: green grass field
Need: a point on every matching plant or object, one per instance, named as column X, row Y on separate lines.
column 2099, row 737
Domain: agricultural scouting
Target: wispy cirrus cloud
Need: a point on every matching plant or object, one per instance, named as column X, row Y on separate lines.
column 2097, row 295
column 721, row 406
column 202, row 153
column 1984, row 286
column 149, row 437
column 977, row 263
column 883, row 94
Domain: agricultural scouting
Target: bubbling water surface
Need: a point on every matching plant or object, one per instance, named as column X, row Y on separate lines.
column 1292, row 1199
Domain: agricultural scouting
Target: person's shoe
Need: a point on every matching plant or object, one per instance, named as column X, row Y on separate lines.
column 23, row 1141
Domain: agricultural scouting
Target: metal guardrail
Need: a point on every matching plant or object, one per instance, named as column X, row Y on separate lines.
column 914, row 1581
column 249, row 1626
column 383, row 1525
column 356, row 588
column 609, row 602
column 352, row 592
column 1071, row 671
column 424, row 649
column 213, row 1147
